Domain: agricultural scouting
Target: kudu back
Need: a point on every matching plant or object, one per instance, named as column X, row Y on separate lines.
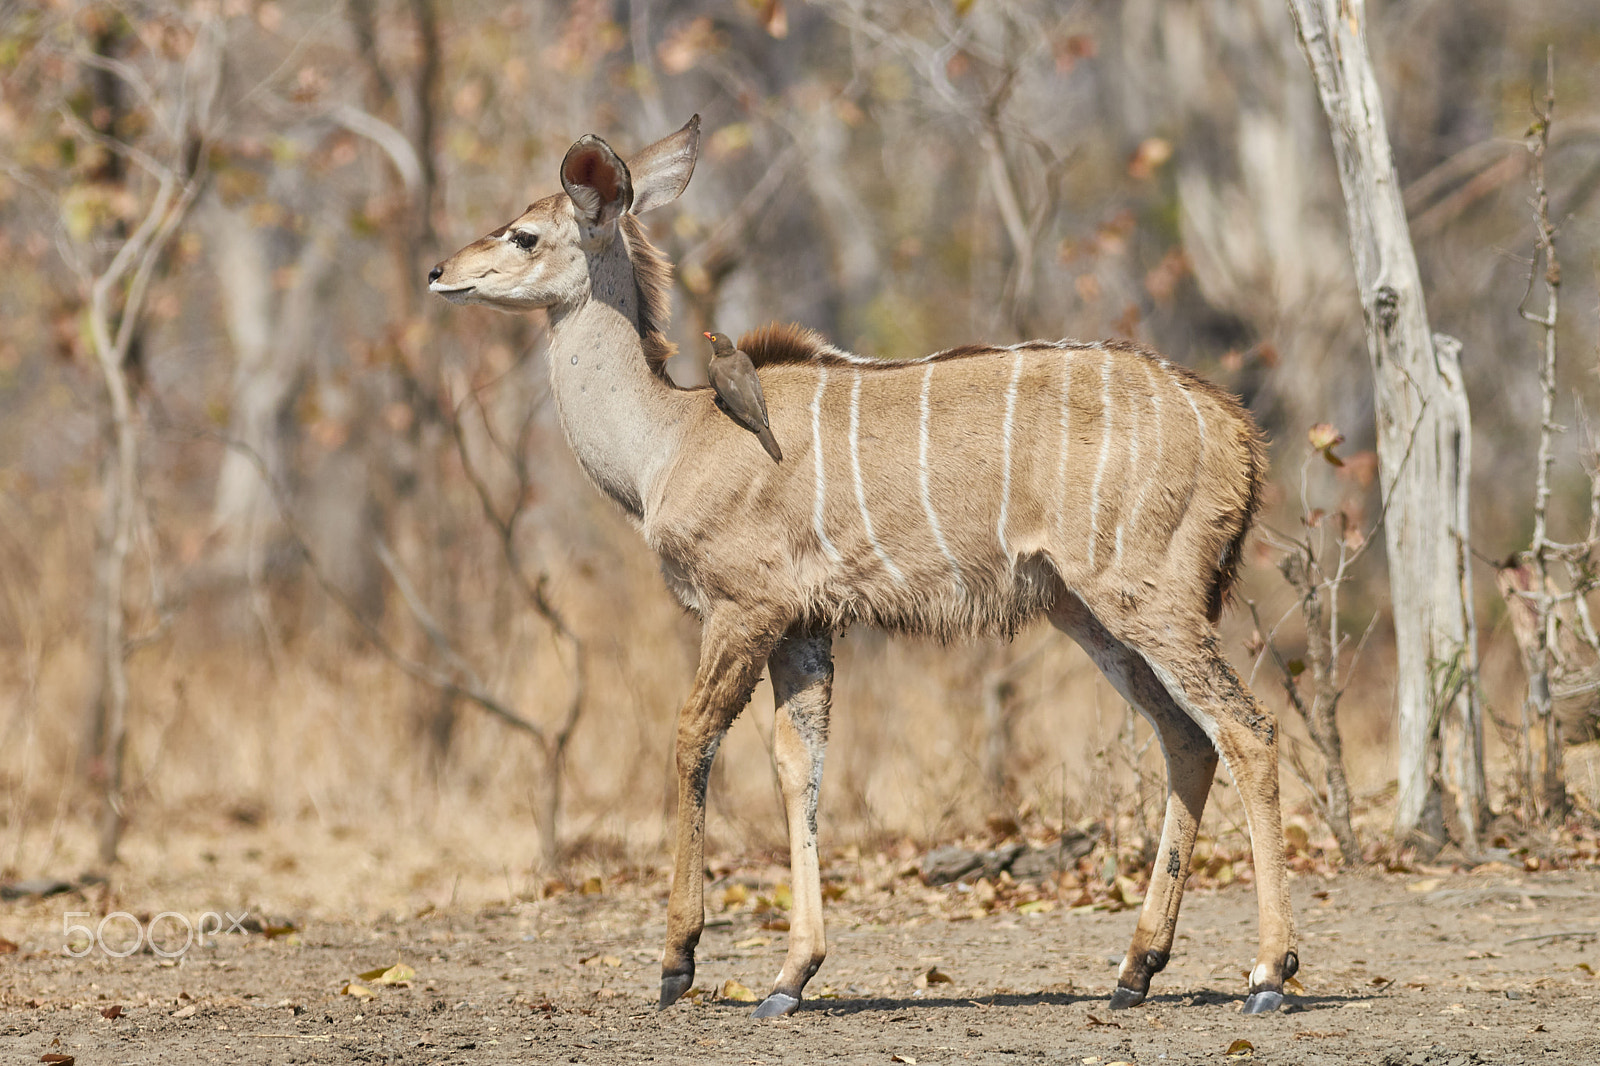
column 960, row 494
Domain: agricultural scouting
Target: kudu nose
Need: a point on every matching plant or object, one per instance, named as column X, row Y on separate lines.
column 433, row 275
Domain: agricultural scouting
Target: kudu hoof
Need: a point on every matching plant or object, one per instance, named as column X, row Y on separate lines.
column 1263, row 1002
column 673, row 985
column 1123, row 998
column 776, row 1006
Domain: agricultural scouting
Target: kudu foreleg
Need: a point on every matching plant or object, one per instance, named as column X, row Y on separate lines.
column 801, row 668
column 730, row 664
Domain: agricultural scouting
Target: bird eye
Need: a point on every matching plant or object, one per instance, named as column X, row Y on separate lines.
column 524, row 240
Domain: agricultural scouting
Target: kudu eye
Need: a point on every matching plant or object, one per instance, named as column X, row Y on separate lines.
column 524, row 240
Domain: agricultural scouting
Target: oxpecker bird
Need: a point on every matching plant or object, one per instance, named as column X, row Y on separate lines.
column 733, row 375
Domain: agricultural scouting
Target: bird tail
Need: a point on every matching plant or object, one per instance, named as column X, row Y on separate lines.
column 770, row 443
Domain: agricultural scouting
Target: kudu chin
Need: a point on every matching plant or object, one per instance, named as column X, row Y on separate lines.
column 1097, row 485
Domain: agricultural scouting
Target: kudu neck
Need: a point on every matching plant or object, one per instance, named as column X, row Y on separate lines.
column 619, row 417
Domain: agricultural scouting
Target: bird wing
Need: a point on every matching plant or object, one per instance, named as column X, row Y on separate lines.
column 739, row 388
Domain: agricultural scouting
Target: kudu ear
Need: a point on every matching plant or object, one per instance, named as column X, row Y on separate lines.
column 596, row 180
column 662, row 171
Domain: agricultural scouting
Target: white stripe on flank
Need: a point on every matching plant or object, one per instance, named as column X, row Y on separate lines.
column 816, row 451
column 927, row 499
column 1005, row 445
column 1133, row 467
column 1198, row 421
column 1066, row 442
column 1105, row 453
column 861, row 492
column 1144, row 482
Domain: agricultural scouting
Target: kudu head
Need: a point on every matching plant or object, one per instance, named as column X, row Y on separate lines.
column 543, row 257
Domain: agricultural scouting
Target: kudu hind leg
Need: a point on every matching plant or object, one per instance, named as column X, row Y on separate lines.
column 801, row 668
column 1245, row 734
column 730, row 664
column 1191, row 764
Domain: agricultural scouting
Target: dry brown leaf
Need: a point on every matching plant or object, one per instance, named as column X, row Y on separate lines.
column 58, row 1059
column 1241, row 1049
column 7, row 947
column 111, row 1013
column 903, row 1058
column 186, row 1012
column 360, row 991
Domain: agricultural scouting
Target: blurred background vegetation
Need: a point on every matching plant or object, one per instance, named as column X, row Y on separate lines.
column 314, row 430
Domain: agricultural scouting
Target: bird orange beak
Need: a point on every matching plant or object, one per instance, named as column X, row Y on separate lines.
column 707, row 336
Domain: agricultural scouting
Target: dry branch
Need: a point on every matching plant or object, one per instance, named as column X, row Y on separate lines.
column 1536, row 620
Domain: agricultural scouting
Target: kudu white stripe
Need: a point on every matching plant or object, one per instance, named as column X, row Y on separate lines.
column 1005, row 450
column 821, row 482
column 861, row 492
column 1066, row 441
column 1144, row 485
column 1105, row 454
column 927, row 497
column 1199, row 420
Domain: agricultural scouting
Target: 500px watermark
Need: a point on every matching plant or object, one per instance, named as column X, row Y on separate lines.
column 168, row 934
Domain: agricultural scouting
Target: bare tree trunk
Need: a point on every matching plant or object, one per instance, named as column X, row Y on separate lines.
column 121, row 502
column 1421, row 410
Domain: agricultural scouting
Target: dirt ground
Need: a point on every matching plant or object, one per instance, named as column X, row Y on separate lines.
column 1483, row 967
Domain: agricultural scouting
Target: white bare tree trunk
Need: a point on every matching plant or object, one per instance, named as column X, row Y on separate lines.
column 272, row 335
column 1423, row 430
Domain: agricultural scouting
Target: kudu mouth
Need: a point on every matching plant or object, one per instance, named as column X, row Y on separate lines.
column 453, row 293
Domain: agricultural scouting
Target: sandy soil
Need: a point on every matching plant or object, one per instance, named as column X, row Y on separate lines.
column 1428, row 970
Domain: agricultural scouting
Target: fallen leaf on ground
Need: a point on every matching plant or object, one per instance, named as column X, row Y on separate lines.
column 185, row 1012
column 1241, row 1049
column 737, row 992
column 1427, row 884
column 7, row 947
column 111, row 1013
column 357, row 990
column 753, row 942
column 398, row 974
column 934, row 976
column 903, row 1058
column 58, row 1059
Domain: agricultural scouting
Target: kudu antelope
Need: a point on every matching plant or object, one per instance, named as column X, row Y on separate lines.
column 958, row 494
